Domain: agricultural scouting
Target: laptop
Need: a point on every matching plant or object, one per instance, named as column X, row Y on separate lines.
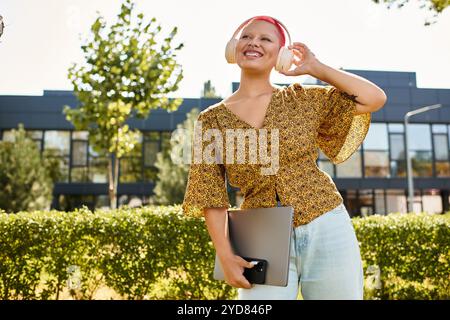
column 261, row 233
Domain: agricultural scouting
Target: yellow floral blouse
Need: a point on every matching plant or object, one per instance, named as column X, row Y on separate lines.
column 307, row 117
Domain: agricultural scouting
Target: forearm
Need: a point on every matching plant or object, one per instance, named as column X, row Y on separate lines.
column 216, row 223
column 366, row 92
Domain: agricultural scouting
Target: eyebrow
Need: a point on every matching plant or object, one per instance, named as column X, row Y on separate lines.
column 264, row 34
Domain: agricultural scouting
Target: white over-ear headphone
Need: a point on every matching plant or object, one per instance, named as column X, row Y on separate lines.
column 285, row 55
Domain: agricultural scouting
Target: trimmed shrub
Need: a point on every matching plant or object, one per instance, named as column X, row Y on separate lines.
column 156, row 253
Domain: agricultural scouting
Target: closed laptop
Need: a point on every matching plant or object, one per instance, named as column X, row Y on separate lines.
column 261, row 233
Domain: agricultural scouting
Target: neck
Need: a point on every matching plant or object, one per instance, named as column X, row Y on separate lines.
column 254, row 83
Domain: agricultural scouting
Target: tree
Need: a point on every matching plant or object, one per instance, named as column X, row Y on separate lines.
column 124, row 76
column 172, row 177
column 25, row 178
column 436, row 6
column 208, row 90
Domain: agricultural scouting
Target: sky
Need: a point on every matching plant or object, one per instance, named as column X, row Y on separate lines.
column 42, row 39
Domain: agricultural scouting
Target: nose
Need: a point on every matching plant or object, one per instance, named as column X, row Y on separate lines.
column 252, row 42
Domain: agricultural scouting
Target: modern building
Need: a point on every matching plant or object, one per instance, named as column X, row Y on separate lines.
column 372, row 180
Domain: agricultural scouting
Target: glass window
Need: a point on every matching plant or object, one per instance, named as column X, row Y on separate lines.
column 439, row 128
column 398, row 168
column 376, row 163
column 366, row 202
column 379, row 202
column 98, row 169
column 419, row 137
column 350, row 168
column 327, row 167
column 79, row 153
column 8, row 136
column 79, row 174
column 377, row 138
column 442, row 168
column 395, row 200
column 397, row 147
column 432, row 201
column 151, row 135
column 440, row 147
column 422, row 163
column 151, row 148
column 351, row 202
column 58, row 141
column 396, row 127
column 130, row 169
column 35, row 134
column 80, row 135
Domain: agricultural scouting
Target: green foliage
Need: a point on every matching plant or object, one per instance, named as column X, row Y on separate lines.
column 156, row 253
column 412, row 253
column 25, row 178
column 124, row 76
column 172, row 176
column 147, row 253
column 435, row 6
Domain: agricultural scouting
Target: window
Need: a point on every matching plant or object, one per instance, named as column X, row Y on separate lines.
column 151, row 148
column 98, row 168
column 57, row 148
column 397, row 155
column 376, row 155
column 395, row 200
column 351, row 168
column 59, row 141
column 397, row 147
column 432, row 201
column 420, row 149
column 79, row 153
column 351, row 202
column 380, row 207
column 152, row 145
column 396, row 127
column 8, row 136
column 441, row 150
column 366, row 202
column 79, row 157
column 377, row 138
column 325, row 164
column 37, row 136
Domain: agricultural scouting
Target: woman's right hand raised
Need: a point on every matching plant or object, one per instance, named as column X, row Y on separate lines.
column 233, row 269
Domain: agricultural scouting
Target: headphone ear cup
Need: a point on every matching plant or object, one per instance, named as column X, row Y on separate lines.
column 284, row 59
column 230, row 51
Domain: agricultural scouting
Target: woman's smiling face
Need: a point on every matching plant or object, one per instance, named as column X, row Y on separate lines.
column 258, row 46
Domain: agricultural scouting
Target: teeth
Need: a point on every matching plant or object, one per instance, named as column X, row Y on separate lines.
column 253, row 54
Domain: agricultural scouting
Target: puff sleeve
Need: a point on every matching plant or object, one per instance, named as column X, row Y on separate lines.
column 206, row 185
column 340, row 131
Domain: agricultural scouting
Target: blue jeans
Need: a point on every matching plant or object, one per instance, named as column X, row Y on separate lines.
column 325, row 262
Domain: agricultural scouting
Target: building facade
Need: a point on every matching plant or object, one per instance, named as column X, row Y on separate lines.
column 372, row 180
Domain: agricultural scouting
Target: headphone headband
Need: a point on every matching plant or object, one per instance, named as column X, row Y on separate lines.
column 246, row 21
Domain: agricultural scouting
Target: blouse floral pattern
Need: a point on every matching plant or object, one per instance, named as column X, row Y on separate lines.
column 308, row 117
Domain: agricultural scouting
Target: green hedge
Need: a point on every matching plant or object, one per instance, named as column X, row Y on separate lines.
column 405, row 256
column 156, row 253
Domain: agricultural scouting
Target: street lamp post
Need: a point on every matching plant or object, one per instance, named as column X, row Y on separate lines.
column 408, row 158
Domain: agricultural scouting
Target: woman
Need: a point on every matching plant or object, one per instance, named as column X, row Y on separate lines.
column 325, row 257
